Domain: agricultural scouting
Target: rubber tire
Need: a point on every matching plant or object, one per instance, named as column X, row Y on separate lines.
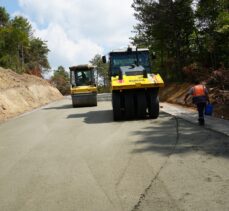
column 141, row 105
column 153, row 106
column 95, row 103
column 116, row 103
column 74, row 105
column 129, row 106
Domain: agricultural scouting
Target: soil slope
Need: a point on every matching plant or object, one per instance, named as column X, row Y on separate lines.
column 21, row 93
column 175, row 93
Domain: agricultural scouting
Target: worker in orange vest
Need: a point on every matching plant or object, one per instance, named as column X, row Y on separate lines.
column 199, row 97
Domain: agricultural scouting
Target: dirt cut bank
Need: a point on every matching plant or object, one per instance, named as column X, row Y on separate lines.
column 21, row 93
column 175, row 93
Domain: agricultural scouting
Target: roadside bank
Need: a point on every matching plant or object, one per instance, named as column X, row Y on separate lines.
column 21, row 93
column 175, row 92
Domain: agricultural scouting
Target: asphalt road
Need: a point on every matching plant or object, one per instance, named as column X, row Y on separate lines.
column 62, row 158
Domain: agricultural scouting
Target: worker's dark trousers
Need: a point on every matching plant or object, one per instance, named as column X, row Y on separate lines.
column 200, row 108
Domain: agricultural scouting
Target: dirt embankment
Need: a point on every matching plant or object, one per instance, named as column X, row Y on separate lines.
column 175, row 93
column 21, row 93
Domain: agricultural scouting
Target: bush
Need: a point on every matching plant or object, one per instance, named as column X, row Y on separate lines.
column 60, row 80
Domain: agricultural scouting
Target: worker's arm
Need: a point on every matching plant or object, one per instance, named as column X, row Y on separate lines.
column 190, row 91
column 206, row 94
column 207, row 97
column 185, row 98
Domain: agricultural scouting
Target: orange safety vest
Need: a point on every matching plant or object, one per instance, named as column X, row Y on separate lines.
column 198, row 90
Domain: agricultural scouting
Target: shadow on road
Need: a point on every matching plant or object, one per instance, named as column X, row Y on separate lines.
column 162, row 137
column 94, row 117
column 102, row 116
column 67, row 106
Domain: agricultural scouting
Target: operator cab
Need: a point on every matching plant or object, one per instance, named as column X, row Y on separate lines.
column 130, row 61
column 82, row 75
column 83, row 86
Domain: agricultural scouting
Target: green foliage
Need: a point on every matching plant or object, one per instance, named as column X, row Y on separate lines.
column 212, row 30
column 166, row 26
column 183, row 37
column 223, row 23
column 61, row 80
column 19, row 49
column 103, row 89
column 102, row 70
column 37, row 54
column 4, row 17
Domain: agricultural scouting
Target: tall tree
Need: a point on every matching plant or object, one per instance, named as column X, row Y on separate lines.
column 212, row 24
column 4, row 17
column 102, row 69
column 166, row 26
column 21, row 35
column 61, row 80
column 37, row 55
column 19, row 49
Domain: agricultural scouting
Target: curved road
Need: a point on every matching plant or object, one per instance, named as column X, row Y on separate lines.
column 61, row 158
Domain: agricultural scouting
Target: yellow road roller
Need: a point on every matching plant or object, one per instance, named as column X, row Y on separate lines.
column 134, row 87
column 83, row 86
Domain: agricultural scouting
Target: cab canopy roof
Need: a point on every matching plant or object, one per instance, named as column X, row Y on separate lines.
column 82, row 67
column 128, row 49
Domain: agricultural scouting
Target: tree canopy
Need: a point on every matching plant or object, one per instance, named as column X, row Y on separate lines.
column 187, row 37
column 102, row 69
column 20, row 50
column 61, row 81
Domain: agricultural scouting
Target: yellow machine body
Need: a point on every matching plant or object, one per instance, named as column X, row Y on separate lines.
column 134, row 86
column 83, row 88
column 136, row 82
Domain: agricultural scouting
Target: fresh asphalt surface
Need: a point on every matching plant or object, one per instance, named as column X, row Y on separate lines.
column 61, row 158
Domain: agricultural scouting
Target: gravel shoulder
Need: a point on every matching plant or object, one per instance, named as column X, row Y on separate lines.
column 190, row 114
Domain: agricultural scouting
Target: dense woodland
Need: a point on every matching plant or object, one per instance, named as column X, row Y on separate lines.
column 20, row 50
column 190, row 38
